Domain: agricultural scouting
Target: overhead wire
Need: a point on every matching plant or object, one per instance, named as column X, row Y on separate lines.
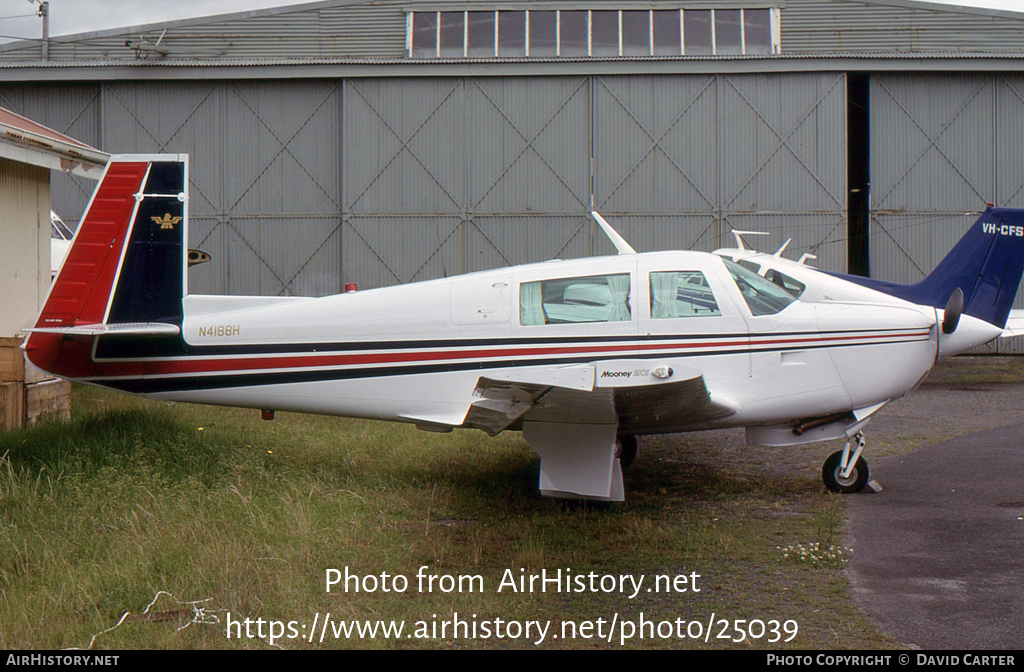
column 19, row 37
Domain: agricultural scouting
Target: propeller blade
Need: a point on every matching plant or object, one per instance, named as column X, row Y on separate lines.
column 954, row 307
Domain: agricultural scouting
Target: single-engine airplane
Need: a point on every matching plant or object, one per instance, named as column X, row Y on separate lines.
column 580, row 355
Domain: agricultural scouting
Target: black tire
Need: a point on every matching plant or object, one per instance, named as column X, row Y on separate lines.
column 627, row 446
column 830, row 474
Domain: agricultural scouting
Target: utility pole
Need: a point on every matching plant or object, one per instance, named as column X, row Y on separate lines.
column 44, row 12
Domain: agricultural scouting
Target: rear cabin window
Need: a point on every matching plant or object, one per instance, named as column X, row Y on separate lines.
column 681, row 294
column 749, row 265
column 598, row 298
column 791, row 285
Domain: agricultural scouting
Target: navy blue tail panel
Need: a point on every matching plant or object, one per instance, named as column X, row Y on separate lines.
column 986, row 264
column 150, row 285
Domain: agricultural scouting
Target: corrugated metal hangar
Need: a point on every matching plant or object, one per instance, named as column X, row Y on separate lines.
column 386, row 142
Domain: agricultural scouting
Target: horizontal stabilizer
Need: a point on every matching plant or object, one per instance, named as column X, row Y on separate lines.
column 1014, row 325
column 123, row 329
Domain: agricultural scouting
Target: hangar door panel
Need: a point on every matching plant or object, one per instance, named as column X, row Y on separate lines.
column 1009, row 167
column 528, row 144
column 942, row 147
column 265, row 172
column 682, row 160
column 656, row 144
column 404, row 149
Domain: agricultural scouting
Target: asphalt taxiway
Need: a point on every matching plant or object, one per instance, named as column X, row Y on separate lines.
column 938, row 556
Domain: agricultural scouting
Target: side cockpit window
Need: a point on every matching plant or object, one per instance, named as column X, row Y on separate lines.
column 763, row 297
column 681, row 294
column 598, row 298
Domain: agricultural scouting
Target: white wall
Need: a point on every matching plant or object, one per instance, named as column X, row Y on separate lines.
column 24, row 244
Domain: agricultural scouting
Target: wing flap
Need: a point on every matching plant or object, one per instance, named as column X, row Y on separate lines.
column 502, row 403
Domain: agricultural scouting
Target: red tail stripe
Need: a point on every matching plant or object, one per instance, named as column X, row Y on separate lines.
column 82, row 290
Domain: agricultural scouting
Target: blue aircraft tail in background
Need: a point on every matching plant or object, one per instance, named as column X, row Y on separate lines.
column 986, row 264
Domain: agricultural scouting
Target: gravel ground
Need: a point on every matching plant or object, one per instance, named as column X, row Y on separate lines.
column 957, row 398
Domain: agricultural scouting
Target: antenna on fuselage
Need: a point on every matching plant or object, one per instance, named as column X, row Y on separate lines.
column 618, row 241
column 738, row 235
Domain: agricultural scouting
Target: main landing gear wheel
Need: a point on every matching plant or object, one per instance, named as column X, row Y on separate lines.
column 832, row 474
column 626, row 448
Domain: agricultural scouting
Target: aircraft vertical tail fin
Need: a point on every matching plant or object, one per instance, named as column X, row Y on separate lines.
column 1000, row 276
column 987, row 264
column 126, row 269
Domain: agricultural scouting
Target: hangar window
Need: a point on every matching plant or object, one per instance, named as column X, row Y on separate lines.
column 572, row 34
column 511, row 34
column 424, row 34
column 636, row 33
column 757, row 32
column 666, row 33
column 592, row 33
column 604, row 34
column 598, row 298
column 480, row 33
column 698, row 32
column 728, row 31
column 451, row 35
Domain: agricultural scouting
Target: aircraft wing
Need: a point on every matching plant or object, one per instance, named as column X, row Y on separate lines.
column 631, row 394
column 1014, row 324
column 572, row 416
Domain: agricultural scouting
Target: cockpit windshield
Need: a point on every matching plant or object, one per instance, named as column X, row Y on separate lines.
column 58, row 229
column 763, row 297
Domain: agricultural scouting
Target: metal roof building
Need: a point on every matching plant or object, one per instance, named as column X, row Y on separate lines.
column 385, row 142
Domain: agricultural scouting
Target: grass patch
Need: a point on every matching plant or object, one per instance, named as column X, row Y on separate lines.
column 976, row 370
column 129, row 498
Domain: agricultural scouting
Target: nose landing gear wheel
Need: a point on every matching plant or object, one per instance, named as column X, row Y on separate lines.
column 832, row 474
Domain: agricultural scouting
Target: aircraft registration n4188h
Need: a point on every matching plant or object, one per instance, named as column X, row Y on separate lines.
column 580, row 355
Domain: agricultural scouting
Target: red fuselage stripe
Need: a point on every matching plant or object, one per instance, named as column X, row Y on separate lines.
column 184, row 366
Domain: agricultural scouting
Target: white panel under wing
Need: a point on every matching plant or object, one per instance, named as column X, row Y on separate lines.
column 576, row 460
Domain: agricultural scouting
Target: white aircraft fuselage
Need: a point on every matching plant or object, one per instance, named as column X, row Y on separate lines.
column 581, row 355
column 414, row 353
